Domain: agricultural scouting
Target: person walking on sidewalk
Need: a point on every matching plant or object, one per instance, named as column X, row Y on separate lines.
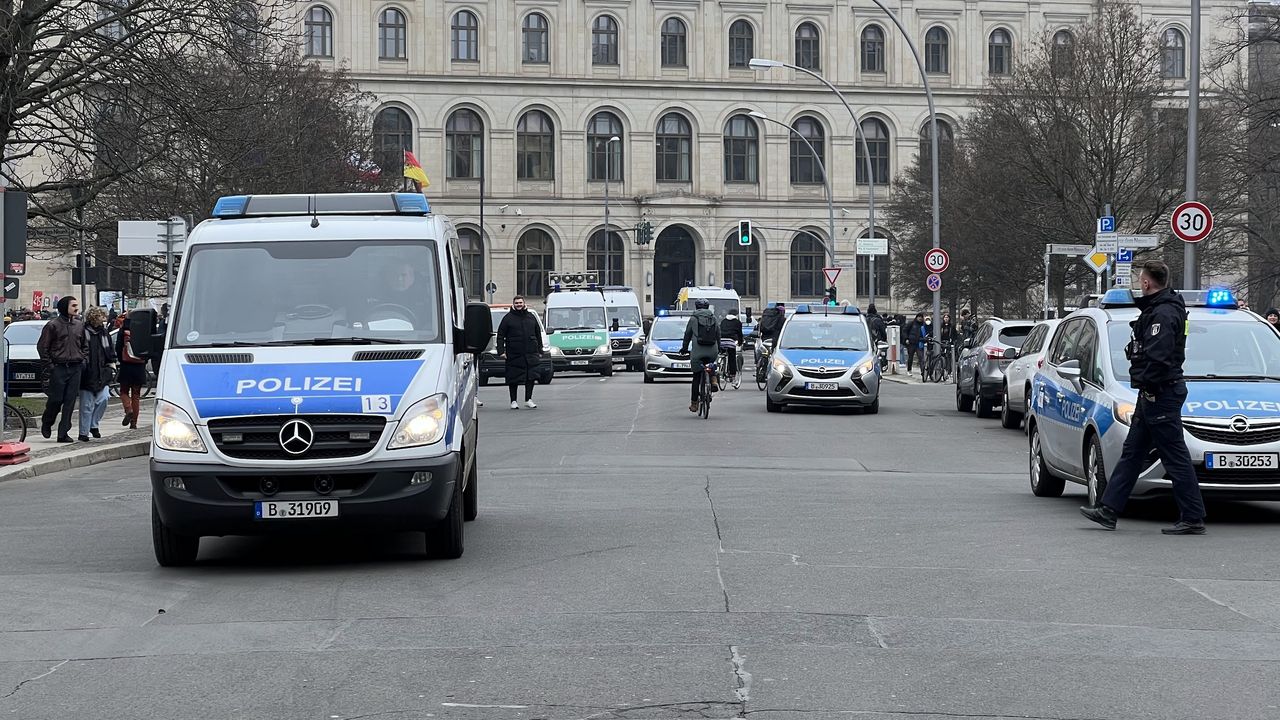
column 62, row 348
column 133, row 376
column 1156, row 352
column 99, row 368
column 519, row 342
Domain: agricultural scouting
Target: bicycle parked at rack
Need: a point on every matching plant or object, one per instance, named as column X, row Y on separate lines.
column 15, row 423
column 938, row 364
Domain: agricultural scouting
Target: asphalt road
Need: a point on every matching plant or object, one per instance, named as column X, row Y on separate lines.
column 633, row 561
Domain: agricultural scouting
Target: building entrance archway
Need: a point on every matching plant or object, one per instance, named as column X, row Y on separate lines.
column 675, row 265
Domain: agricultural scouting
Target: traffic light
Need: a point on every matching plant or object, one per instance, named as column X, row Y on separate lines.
column 647, row 228
column 831, row 296
column 744, row 232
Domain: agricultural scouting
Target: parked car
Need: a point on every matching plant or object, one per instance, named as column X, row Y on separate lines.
column 23, row 369
column 982, row 362
column 1017, row 377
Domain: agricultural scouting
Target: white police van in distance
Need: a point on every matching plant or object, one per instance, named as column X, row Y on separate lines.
column 317, row 372
column 824, row 358
column 1081, row 403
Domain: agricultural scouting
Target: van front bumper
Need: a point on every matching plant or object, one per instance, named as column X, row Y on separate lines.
column 219, row 499
column 582, row 363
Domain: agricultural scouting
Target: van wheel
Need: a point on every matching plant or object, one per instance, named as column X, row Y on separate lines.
column 964, row 403
column 444, row 541
column 172, row 549
column 607, row 373
column 1009, row 418
column 1043, row 482
column 471, row 496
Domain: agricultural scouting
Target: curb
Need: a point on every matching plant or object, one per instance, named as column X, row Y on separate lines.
column 74, row 460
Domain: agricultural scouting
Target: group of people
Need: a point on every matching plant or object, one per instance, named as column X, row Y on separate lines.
column 81, row 363
column 915, row 334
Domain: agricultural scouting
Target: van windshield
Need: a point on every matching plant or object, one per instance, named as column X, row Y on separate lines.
column 626, row 316
column 314, row 292
column 575, row 318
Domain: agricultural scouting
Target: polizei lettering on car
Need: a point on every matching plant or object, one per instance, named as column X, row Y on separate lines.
column 288, row 384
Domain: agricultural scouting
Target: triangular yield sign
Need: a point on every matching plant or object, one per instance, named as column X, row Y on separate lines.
column 832, row 274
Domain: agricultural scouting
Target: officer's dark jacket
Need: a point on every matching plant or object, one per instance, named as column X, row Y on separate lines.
column 1159, row 343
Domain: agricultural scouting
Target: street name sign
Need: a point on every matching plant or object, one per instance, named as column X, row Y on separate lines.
column 873, row 246
column 1138, row 241
column 1061, row 249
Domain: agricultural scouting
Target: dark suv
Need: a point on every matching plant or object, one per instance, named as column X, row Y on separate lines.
column 980, row 369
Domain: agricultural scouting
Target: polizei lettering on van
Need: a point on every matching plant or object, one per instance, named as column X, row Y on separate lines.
column 293, row 385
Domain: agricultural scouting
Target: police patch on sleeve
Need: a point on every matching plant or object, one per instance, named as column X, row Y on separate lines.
column 1155, row 329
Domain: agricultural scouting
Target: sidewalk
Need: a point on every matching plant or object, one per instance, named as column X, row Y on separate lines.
column 902, row 378
column 117, row 442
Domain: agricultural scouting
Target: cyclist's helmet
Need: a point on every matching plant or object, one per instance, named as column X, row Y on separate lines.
column 701, row 304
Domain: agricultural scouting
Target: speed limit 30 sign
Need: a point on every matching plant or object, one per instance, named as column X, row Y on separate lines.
column 937, row 260
column 1191, row 222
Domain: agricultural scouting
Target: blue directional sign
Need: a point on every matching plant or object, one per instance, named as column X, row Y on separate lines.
column 1124, row 256
column 1107, row 224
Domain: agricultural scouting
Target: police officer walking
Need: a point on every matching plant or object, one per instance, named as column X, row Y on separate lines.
column 1156, row 353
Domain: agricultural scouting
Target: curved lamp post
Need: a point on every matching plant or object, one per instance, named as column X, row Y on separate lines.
column 826, row 181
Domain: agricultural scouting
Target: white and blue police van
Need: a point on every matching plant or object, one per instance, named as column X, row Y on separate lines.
column 317, row 371
column 626, row 326
column 824, row 357
column 1081, row 404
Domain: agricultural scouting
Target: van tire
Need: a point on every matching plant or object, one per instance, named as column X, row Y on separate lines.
column 471, row 495
column 172, row 549
column 607, row 373
column 444, row 541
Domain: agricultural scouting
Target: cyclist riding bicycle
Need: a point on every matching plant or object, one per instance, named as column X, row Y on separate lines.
column 702, row 341
column 731, row 339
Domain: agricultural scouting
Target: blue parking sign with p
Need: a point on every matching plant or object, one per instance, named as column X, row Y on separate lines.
column 1107, row 224
column 1124, row 256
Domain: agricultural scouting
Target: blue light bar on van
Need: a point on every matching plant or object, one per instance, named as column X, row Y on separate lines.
column 230, row 206
column 412, row 203
column 236, row 206
column 663, row 312
column 1221, row 298
column 852, row 310
column 1117, row 297
column 802, row 309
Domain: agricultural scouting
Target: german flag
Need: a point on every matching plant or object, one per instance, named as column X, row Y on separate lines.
column 413, row 170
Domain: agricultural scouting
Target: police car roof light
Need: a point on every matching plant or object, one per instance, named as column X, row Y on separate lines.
column 663, row 312
column 1221, row 298
column 230, row 206
column 411, row 203
column 803, row 308
column 1117, row 297
column 239, row 206
column 852, row 310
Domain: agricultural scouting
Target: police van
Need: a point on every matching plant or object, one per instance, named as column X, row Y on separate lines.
column 626, row 326
column 1081, row 403
column 317, row 372
column 723, row 301
column 578, row 324
column 824, row 357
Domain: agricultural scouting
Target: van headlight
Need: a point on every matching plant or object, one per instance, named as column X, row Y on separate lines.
column 423, row 424
column 175, row 431
column 1123, row 412
column 603, row 349
column 556, row 352
column 655, row 352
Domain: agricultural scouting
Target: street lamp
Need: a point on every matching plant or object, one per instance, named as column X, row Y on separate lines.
column 608, row 240
column 826, row 181
column 766, row 64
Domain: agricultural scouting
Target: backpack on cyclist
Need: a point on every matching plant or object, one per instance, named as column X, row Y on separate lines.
column 705, row 330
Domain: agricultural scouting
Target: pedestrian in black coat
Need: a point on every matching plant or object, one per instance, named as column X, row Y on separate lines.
column 519, row 342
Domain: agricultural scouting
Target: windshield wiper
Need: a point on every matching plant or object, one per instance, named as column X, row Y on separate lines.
column 338, row 341
column 572, row 329
column 1212, row 376
column 234, row 343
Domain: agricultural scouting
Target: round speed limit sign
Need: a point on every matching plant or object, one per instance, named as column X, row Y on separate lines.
column 937, row 260
column 1192, row 222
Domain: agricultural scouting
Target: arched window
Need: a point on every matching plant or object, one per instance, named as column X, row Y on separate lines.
column 464, row 145
column 872, row 49
column 535, row 147
column 808, row 50
column 1064, row 44
column 607, row 261
column 999, row 53
column 675, row 148
column 604, row 158
column 392, row 135
column 535, row 257
column 741, row 150
column 742, row 265
column 936, row 50
column 114, row 13
column 244, row 24
column 604, row 41
column 317, row 31
column 472, row 248
column 1173, row 47
column 675, row 40
column 464, row 36
column 863, row 268
column 877, row 136
column 534, row 42
column 806, row 164
column 807, row 260
column 393, row 34
column 946, row 138
column 742, row 38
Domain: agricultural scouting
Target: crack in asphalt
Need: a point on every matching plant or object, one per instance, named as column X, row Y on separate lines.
column 20, row 685
column 921, row 713
column 715, row 520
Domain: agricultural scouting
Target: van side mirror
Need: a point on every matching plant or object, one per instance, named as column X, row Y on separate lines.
column 477, row 327
column 143, row 338
column 616, row 324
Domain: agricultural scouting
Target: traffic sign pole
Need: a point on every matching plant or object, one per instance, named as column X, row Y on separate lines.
column 1190, row 271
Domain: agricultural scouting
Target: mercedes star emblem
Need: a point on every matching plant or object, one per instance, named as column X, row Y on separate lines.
column 296, row 436
column 1240, row 424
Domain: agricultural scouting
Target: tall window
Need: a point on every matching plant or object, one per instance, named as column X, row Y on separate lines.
column 1064, row 44
column 741, row 150
column 807, row 259
column 600, row 257
column 535, row 257
column 604, row 158
column 472, row 248
column 742, row 38
column 863, row 267
column 808, row 51
column 604, row 41
column 392, row 135
column 465, row 36
column 1173, row 54
column 872, row 49
column 534, row 43
column 113, row 12
column 464, row 144
column 946, row 136
column 742, row 266
column 999, row 53
column 393, row 33
column 674, row 43
column 806, row 169
column 675, row 148
column 936, row 43
column 535, row 147
column 317, row 31
column 877, row 136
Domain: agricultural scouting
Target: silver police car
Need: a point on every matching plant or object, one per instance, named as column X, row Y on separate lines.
column 662, row 356
column 824, row 357
column 1081, row 403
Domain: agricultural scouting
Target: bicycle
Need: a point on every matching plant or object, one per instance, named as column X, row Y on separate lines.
column 764, row 349
column 938, row 365
column 15, row 423
column 730, row 373
column 704, row 390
